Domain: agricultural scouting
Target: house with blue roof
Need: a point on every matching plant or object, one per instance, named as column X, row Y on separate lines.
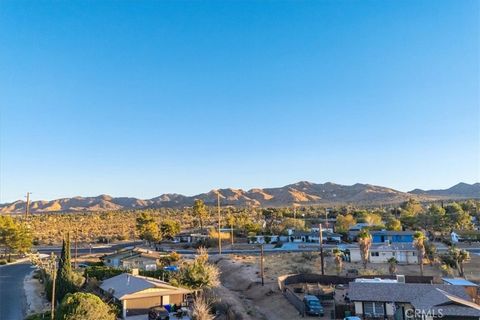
column 392, row 236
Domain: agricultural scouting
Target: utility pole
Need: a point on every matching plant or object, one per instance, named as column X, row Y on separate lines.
column 54, row 277
column 326, row 218
column 231, row 231
column 76, row 248
column 262, row 267
column 219, row 234
column 321, row 247
column 27, row 206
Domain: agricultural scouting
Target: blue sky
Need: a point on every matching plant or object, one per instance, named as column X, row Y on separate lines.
column 139, row 98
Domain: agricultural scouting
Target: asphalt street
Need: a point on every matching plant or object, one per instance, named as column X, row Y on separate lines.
column 12, row 295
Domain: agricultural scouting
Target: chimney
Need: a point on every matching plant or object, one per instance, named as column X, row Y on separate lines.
column 134, row 272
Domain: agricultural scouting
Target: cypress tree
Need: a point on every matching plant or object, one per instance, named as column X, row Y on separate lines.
column 64, row 283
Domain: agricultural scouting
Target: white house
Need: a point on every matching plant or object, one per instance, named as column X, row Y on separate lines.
column 403, row 252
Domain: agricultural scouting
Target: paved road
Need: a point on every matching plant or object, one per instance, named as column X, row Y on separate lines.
column 84, row 251
column 12, row 295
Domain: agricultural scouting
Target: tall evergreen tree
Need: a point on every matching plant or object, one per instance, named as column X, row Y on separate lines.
column 64, row 282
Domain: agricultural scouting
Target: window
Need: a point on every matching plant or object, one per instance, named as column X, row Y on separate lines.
column 374, row 254
column 373, row 308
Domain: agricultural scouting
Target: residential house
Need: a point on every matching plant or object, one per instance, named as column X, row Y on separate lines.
column 187, row 237
column 262, row 239
column 380, row 253
column 388, row 236
column 356, row 229
column 140, row 258
column 313, row 236
column 138, row 294
column 402, row 301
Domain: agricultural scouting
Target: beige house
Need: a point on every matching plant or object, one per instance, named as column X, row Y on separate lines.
column 380, row 253
column 138, row 294
column 139, row 258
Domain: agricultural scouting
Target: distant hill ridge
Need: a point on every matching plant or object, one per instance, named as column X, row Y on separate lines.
column 300, row 193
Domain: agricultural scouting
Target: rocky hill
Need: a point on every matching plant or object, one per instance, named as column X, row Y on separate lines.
column 458, row 191
column 301, row 193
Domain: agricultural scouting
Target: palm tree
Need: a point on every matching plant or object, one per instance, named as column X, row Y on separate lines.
column 419, row 243
column 459, row 257
column 338, row 258
column 392, row 265
column 365, row 242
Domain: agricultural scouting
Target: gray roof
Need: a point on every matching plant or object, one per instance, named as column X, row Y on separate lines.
column 449, row 304
column 126, row 284
column 398, row 292
column 450, row 300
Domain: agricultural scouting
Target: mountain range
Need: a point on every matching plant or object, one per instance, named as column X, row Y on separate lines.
column 301, row 193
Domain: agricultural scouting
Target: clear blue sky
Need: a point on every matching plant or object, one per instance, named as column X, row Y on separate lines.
column 139, row 98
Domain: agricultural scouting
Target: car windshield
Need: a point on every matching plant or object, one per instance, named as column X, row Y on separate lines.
column 314, row 303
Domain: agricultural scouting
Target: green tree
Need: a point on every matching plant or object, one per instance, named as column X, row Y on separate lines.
column 394, row 225
column 169, row 228
column 67, row 281
column 147, row 228
column 365, row 242
column 373, row 219
column 458, row 218
column 15, row 236
column 199, row 274
column 419, row 243
column 344, row 223
column 84, row 306
column 200, row 211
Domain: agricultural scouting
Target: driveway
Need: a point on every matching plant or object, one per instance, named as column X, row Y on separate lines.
column 12, row 295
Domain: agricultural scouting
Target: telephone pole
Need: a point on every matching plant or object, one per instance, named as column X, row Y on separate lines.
column 27, row 206
column 76, row 248
column 320, row 237
column 54, row 276
column 219, row 234
column 262, row 267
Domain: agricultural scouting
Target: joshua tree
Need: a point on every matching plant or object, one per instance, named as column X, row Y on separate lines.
column 365, row 242
column 392, row 265
column 200, row 211
column 419, row 244
column 338, row 258
column 459, row 257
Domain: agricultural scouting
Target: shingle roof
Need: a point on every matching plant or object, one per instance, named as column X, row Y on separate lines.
column 450, row 300
column 449, row 304
column 397, row 292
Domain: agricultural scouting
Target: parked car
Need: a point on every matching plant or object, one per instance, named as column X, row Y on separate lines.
column 158, row 313
column 352, row 318
column 313, row 306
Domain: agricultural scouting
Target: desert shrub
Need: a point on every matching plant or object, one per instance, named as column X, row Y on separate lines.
column 3, row 261
column 102, row 272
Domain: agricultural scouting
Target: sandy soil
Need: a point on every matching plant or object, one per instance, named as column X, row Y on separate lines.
column 35, row 295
